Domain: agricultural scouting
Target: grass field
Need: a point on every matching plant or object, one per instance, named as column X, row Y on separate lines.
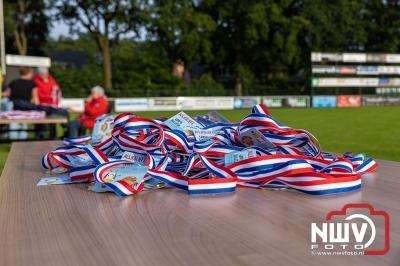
column 372, row 130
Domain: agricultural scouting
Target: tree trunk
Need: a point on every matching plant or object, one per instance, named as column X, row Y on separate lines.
column 107, row 63
column 238, row 86
column 21, row 41
column 20, row 38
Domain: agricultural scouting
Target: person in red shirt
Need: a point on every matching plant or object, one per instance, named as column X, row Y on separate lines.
column 96, row 105
column 49, row 91
column 49, row 94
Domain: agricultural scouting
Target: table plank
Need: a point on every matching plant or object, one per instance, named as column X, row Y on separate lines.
column 68, row 225
column 50, row 120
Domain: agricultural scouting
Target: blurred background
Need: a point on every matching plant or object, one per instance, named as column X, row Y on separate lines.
column 195, row 47
column 283, row 53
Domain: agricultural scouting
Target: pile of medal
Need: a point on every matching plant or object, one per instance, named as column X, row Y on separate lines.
column 203, row 155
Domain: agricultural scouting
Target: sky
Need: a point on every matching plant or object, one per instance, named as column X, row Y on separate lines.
column 59, row 28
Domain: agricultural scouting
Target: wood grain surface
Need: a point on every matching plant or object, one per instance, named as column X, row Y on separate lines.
column 68, row 225
column 54, row 120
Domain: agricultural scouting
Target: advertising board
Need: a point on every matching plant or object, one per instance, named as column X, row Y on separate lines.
column 345, row 82
column 325, row 70
column 367, row 70
column 349, row 101
column 205, row 103
column 387, row 90
column 273, row 101
column 391, row 70
column 76, row 105
column 348, row 70
column 393, row 58
column 296, row 101
column 163, row 103
column 245, row 102
column 131, row 104
column 375, row 100
column 328, row 57
column 376, row 58
column 354, row 57
column 323, row 101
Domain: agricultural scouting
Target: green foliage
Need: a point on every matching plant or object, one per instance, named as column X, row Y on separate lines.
column 204, row 86
column 106, row 21
column 142, row 69
column 278, row 86
column 139, row 69
column 382, row 21
column 183, row 29
column 247, row 78
column 30, row 17
column 83, row 43
column 77, row 82
column 107, row 18
column 335, row 25
column 263, row 44
column 257, row 39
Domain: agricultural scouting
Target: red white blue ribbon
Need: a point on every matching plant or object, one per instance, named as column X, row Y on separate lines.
column 120, row 187
column 296, row 161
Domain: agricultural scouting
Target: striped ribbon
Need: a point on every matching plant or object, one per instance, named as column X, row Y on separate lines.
column 175, row 158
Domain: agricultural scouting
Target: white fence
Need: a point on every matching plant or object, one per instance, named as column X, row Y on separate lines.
column 193, row 103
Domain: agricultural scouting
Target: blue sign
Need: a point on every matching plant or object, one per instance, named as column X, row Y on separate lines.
column 245, row 102
column 367, row 70
column 323, row 101
column 383, row 81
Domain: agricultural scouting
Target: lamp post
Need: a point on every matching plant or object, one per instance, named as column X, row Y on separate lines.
column 2, row 48
column 2, row 45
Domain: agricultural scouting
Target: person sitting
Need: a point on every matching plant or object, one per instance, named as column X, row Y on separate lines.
column 21, row 94
column 23, row 91
column 96, row 105
column 49, row 92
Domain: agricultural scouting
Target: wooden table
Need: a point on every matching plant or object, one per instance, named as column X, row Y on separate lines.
column 47, row 120
column 68, row 225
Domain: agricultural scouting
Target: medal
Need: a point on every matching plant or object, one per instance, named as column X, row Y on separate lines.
column 258, row 152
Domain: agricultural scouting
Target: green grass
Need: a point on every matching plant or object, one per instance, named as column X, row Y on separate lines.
column 372, row 130
column 4, row 149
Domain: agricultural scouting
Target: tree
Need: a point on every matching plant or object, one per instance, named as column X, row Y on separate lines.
column 27, row 26
column 182, row 29
column 106, row 20
column 382, row 23
column 254, row 39
column 77, row 82
column 335, row 26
